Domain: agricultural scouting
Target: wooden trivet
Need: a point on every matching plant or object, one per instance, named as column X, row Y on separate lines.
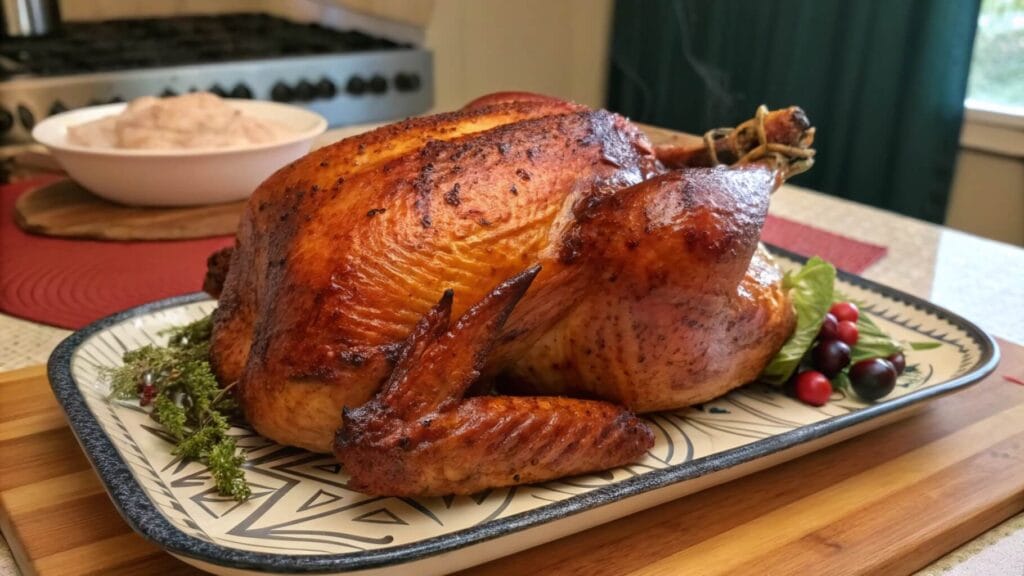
column 65, row 209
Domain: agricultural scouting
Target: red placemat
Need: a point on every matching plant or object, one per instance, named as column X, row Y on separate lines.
column 843, row 252
column 70, row 283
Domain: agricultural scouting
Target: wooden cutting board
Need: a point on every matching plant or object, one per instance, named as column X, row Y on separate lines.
column 65, row 209
column 887, row 502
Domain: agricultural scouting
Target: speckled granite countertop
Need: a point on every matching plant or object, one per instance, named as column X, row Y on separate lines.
column 979, row 279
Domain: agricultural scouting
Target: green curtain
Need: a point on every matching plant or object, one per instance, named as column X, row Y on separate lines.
column 883, row 81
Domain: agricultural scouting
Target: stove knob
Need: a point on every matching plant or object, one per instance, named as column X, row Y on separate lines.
column 168, row 93
column 325, row 89
column 356, row 86
column 241, row 91
column 378, row 84
column 6, row 120
column 281, row 92
column 407, row 82
column 58, row 108
column 304, row 91
column 218, row 90
column 26, row 117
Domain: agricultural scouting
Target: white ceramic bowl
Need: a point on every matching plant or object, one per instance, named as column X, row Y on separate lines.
column 179, row 177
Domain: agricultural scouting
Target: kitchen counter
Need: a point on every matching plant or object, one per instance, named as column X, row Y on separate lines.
column 979, row 279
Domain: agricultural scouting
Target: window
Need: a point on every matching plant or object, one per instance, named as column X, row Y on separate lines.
column 996, row 81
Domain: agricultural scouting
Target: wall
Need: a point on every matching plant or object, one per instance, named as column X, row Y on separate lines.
column 553, row 47
column 557, row 47
column 987, row 198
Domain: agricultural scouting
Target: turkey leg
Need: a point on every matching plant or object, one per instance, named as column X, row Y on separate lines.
column 781, row 136
column 683, row 306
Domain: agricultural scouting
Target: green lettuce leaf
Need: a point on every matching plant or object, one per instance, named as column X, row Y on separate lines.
column 842, row 382
column 872, row 342
column 810, row 289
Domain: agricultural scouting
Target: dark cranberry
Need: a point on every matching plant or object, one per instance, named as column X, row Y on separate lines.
column 829, row 328
column 830, row 356
column 812, row 387
column 847, row 332
column 845, row 311
column 898, row 361
column 873, row 379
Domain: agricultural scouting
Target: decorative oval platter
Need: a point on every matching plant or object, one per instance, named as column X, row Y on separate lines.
column 302, row 518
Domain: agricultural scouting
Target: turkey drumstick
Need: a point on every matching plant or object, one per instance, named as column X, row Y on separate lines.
column 784, row 136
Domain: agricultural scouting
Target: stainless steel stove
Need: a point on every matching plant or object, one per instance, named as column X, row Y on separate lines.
column 348, row 76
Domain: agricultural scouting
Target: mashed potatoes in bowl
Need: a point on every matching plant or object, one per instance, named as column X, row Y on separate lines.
column 199, row 120
column 186, row 150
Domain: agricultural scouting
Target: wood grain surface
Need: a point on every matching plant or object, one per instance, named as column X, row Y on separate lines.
column 887, row 502
column 65, row 209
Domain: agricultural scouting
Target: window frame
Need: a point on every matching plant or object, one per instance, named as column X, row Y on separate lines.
column 993, row 128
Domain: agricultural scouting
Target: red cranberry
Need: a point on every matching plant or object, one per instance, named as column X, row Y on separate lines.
column 847, row 332
column 812, row 387
column 148, row 393
column 845, row 311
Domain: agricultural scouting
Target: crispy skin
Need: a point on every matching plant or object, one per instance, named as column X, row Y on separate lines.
column 217, row 266
column 340, row 253
column 683, row 306
column 420, row 437
column 652, row 293
column 278, row 210
column 511, row 96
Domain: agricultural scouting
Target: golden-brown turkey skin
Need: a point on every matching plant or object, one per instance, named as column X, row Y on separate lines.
column 340, row 253
column 682, row 306
column 278, row 207
column 419, row 436
column 662, row 352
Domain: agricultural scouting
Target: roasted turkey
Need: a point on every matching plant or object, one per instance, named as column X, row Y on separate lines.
column 485, row 297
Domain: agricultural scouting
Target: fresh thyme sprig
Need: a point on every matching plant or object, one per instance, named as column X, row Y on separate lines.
column 187, row 401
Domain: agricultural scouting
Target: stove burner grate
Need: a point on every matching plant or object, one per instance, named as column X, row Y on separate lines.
column 86, row 47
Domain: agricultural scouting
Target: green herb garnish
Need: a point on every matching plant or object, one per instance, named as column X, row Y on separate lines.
column 811, row 289
column 872, row 342
column 187, row 401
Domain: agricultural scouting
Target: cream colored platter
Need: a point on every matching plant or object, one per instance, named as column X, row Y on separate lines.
column 303, row 519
